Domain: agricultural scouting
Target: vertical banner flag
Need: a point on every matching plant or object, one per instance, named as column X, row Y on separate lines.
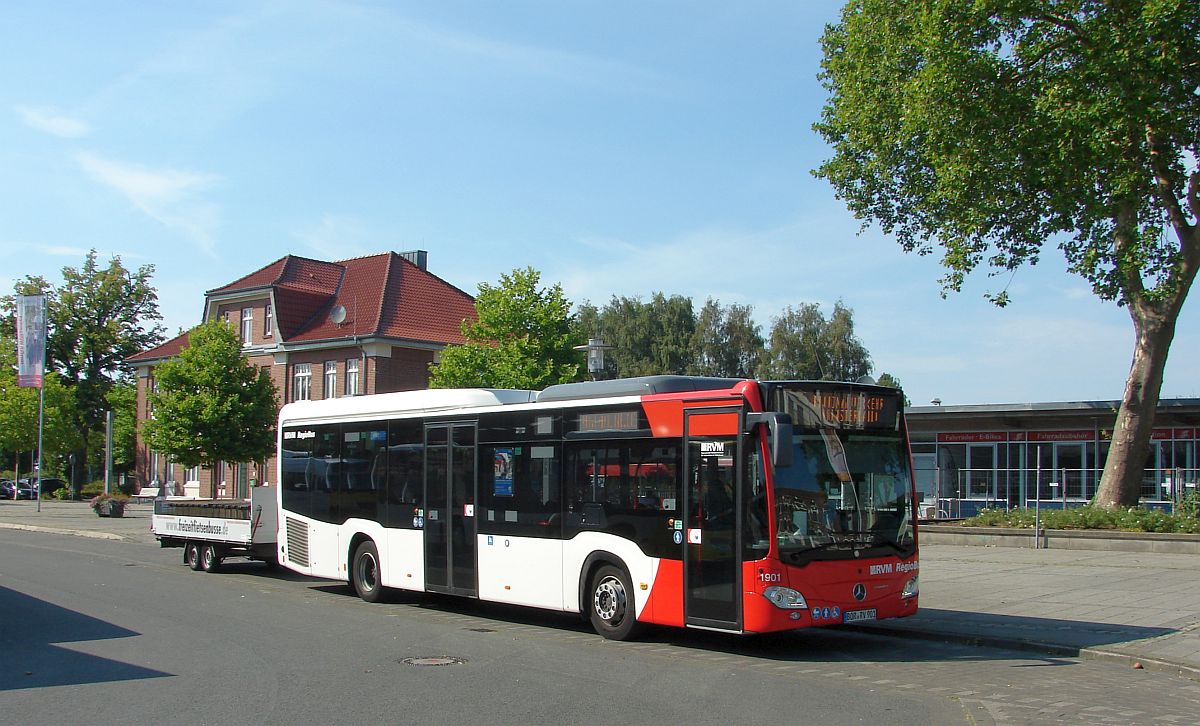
column 31, row 340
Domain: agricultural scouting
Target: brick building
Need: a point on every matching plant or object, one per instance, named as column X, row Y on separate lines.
column 323, row 330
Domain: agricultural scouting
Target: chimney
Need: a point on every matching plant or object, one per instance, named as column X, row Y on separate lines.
column 420, row 258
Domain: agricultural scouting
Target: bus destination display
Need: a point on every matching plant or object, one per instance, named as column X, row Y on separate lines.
column 832, row 408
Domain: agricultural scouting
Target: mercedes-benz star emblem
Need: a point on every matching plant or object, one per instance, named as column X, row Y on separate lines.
column 860, row 592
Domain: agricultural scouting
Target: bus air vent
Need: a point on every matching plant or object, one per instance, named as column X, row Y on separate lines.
column 297, row 542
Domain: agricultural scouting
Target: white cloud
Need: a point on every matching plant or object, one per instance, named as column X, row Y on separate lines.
column 169, row 196
column 48, row 120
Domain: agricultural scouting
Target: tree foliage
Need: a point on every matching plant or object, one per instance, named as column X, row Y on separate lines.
column 647, row 337
column 890, row 381
column 664, row 336
column 990, row 128
column 727, row 342
column 806, row 345
column 97, row 318
column 122, row 401
column 524, row 338
column 19, row 412
column 211, row 404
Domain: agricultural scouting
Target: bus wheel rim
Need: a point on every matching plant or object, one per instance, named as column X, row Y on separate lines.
column 368, row 572
column 610, row 600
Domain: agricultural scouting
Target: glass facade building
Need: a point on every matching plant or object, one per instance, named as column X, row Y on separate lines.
column 1009, row 455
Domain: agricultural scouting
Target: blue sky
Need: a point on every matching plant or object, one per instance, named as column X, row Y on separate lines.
column 618, row 147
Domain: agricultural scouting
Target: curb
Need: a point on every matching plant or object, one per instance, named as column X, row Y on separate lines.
column 57, row 530
column 1153, row 665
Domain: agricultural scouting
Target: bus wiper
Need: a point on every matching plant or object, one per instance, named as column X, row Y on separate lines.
column 881, row 541
column 797, row 554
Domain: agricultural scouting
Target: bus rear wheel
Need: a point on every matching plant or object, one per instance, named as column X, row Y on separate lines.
column 365, row 574
column 611, row 609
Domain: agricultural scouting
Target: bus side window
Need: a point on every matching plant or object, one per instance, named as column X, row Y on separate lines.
column 294, row 459
column 404, row 494
column 519, row 490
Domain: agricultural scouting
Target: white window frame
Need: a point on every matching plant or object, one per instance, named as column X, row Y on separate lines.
column 330, row 379
column 302, row 382
column 247, row 326
column 269, row 322
column 352, row 379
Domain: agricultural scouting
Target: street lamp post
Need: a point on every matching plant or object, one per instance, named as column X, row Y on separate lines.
column 595, row 356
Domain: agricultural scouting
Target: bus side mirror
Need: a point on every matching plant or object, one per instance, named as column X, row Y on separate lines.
column 779, row 427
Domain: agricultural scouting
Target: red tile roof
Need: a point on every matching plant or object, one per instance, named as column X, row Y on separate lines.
column 384, row 295
column 169, row 349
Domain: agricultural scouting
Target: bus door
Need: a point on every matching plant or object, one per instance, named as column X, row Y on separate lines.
column 711, row 504
column 450, row 508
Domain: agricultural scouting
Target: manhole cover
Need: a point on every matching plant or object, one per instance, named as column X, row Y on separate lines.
column 437, row 660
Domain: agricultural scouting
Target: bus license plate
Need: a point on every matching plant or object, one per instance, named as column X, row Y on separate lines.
column 855, row 616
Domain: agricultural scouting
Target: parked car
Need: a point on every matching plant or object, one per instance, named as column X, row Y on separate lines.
column 51, row 485
column 27, row 488
column 8, row 489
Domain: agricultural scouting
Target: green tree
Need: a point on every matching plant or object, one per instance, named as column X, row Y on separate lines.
column 210, row 404
column 647, row 338
column 727, row 342
column 122, row 401
column 806, row 345
column 990, row 128
column 524, row 338
column 887, row 379
column 97, row 318
column 19, row 413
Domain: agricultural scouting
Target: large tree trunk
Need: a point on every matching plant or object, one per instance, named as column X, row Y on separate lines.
column 1121, row 483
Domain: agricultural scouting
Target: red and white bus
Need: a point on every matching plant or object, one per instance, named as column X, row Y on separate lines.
column 725, row 504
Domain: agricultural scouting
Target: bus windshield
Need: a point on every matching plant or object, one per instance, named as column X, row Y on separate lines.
column 846, row 491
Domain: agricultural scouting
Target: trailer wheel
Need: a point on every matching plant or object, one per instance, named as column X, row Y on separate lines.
column 191, row 555
column 210, row 559
column 364, row 572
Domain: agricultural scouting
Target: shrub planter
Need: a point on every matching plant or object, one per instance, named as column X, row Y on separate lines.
column 1073, row 539
column 106, row 506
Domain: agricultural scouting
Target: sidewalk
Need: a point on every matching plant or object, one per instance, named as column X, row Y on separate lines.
column 77, row 518
column 1123, row 606
column 1131, row 607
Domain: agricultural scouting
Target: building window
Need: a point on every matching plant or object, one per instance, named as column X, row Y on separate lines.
column 352, row 377
column 151, row 389
column 330, row 379
column 269, row 322
column 192, row 475
column 302, row 377
column 247, row 326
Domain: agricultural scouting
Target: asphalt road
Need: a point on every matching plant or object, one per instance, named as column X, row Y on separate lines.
column 111, row 632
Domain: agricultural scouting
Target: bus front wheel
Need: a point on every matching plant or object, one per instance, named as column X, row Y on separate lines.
column 612, row 609
column 364, row 572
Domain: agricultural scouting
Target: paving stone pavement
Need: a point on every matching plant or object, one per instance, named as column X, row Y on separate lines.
column 1129, row 607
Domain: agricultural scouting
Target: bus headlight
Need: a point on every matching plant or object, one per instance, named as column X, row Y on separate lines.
column 911, row 589
column 785, row 598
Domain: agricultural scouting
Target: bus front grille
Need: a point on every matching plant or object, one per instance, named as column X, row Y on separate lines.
column 297, row 542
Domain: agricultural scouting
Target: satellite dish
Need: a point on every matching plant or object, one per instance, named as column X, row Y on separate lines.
column 338, row 314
